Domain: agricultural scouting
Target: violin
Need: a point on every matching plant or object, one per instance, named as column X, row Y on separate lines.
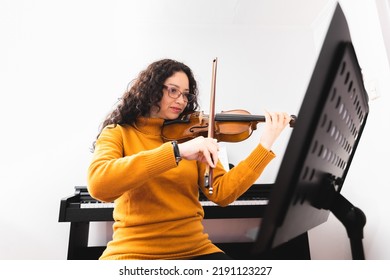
column 229, row 126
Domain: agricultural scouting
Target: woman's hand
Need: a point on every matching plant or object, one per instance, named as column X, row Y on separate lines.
column 274, row 125
column 201, row 149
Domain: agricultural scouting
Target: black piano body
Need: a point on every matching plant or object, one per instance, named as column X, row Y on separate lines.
column 80, row 209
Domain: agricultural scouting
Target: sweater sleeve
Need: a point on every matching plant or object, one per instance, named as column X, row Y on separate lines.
column 230, row 185
column 110, row 173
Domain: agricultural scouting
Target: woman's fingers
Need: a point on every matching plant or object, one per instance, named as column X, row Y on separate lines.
column 201, row 149
column 274, row 125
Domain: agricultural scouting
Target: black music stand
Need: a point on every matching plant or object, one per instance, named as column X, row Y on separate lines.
column 321, row 147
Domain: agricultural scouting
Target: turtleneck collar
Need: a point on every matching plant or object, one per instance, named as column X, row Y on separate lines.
column 151, row 126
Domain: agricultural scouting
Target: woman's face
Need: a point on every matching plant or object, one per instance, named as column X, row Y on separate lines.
column 171, row 108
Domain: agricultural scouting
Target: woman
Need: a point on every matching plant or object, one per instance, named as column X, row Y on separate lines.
column 155, row 184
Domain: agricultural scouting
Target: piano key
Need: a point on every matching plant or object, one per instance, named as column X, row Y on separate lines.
column 238, row 202
column 203, row 203
column 97, row 205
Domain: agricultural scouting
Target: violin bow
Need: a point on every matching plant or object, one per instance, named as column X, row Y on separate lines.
column 208, row 176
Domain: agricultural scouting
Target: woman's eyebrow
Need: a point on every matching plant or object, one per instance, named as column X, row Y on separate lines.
column 170, row 84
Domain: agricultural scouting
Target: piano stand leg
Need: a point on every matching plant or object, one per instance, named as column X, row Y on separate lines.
column 78, row 240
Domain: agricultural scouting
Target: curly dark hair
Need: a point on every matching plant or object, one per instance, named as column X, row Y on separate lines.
column 146, row 91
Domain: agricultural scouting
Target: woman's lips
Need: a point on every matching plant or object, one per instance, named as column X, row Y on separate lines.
column 176, row 110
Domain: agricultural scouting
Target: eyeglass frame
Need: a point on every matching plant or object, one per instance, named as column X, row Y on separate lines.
column 185, row 95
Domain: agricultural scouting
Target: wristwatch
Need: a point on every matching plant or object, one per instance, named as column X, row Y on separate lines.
column 176, row 151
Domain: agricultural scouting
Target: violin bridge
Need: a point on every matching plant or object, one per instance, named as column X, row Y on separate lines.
column 200, row 117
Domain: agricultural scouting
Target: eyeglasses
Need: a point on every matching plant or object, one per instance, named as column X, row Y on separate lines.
column 175, row 93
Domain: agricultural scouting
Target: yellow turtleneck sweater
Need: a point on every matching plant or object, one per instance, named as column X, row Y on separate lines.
column 157, row 212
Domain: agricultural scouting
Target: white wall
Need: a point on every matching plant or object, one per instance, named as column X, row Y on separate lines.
column 64, row 64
